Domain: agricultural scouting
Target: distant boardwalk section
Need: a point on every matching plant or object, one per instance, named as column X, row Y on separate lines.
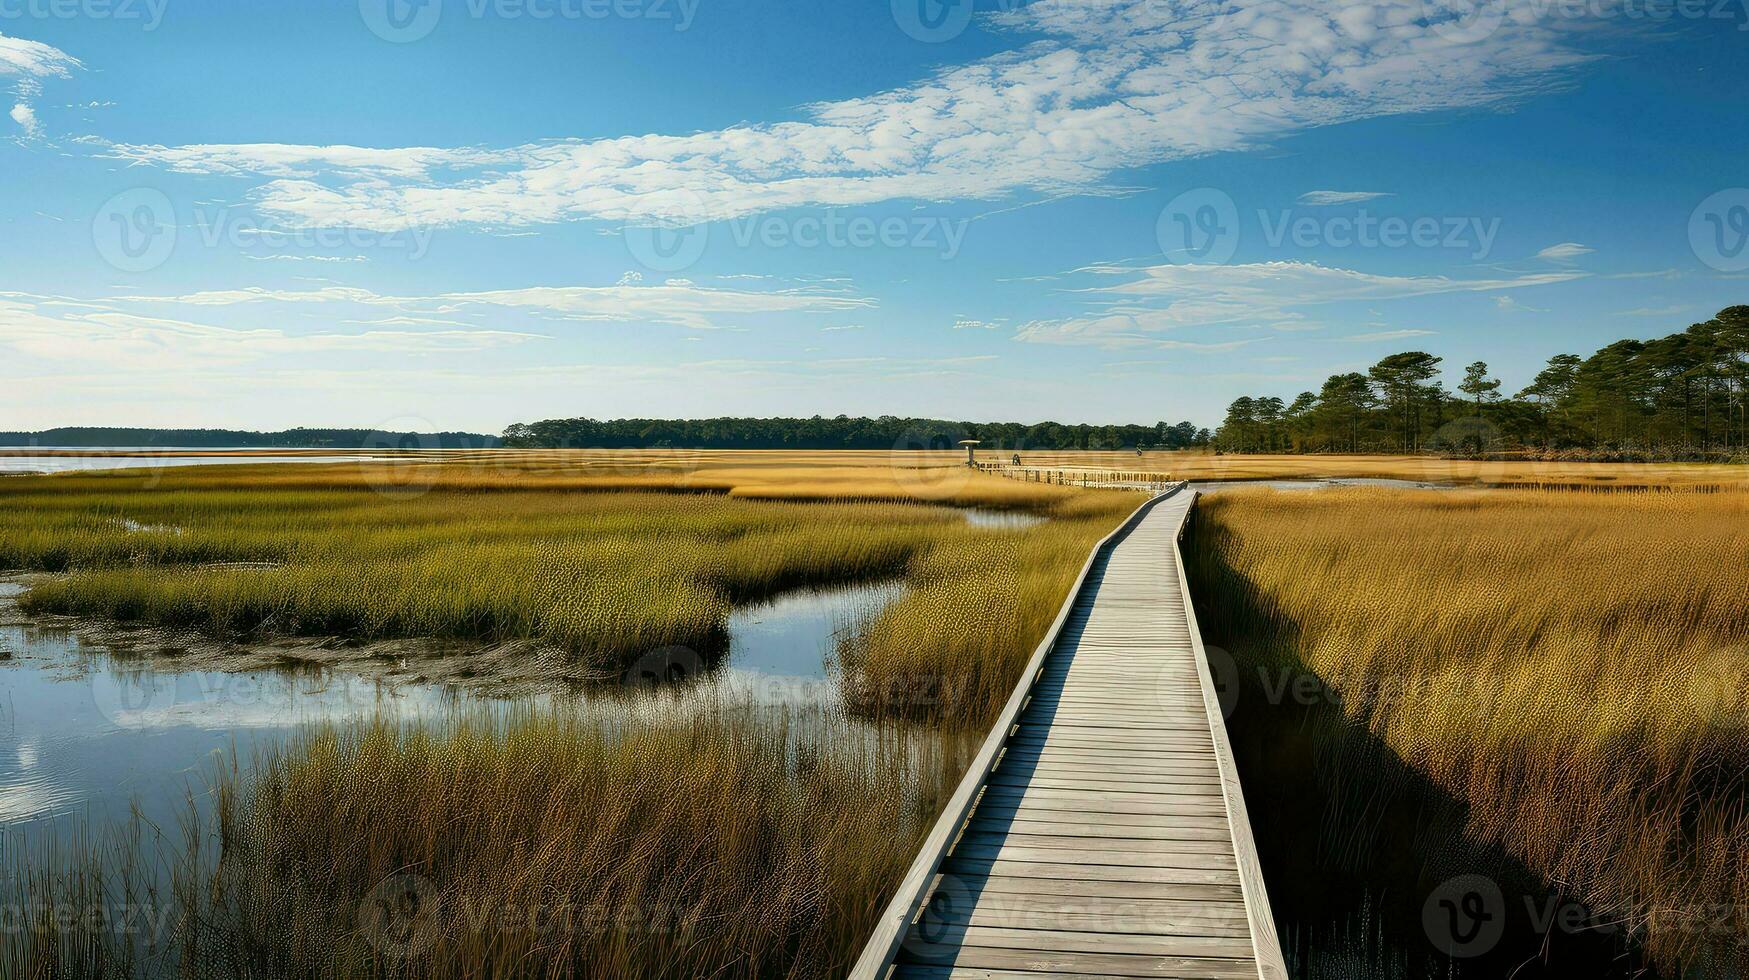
column 1101, row 830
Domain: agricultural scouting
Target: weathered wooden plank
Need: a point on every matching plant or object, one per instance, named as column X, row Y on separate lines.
column 1138, row 844
column 1113, row 916
column 1184, row 968
column 1071, row 889
column 1105, row 857
column 1089, row 872
column 948, row 939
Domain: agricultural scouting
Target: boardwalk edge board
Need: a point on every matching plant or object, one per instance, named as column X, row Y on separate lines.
column 881, row 954
column 1271, row 964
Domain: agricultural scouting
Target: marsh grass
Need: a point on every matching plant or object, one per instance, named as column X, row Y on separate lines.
column 952, row 649
column 548, row 845
column 628, row 840
column 1573, row 667
column 503, row 551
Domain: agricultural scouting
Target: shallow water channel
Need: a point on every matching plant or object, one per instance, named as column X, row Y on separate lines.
column 84, row 731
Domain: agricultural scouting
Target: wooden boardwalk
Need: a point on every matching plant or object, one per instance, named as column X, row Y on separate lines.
column 1100, row 831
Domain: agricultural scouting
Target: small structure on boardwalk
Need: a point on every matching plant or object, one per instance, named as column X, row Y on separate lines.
column 971, row 450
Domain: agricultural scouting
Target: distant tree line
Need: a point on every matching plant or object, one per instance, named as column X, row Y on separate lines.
column 843, row 432
column 1687, row 393
column 90, row 437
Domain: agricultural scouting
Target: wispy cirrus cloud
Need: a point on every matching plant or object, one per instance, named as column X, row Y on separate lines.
column 676, row 302
column 91, row 335
column 1564, row 252
column 1087, row 90
column 1378, row 336
column 1318, row 199
column 1154, row 300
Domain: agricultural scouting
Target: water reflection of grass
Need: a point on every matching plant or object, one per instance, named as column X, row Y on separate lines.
column 753, row 844
column 1568, row 667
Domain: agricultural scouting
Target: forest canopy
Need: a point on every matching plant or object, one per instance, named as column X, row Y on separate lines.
column 1683, row 394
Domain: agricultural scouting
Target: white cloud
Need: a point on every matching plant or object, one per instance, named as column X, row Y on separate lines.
column 1381, row 335
column 967, row 323
column 29, row 61
column 92, row 337
column 1102, row 86
column 34, row 59
column 683, row 305
column 25, row 117
column 1330, row 198
column 677, row 302
column 1507, row 304
column 1674, row 309
column 1163, row 298
column 1564, row 252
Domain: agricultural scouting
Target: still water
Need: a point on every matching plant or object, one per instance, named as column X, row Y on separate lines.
column 85, row 732
column 64, row 464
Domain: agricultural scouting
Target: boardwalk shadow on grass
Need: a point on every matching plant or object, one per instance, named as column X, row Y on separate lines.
column 1369, row 869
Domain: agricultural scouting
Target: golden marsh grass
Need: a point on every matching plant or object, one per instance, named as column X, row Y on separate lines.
column 535, row 550
column 1572, row 666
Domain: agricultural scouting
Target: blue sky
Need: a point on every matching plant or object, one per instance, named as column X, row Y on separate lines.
column 465, row 213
